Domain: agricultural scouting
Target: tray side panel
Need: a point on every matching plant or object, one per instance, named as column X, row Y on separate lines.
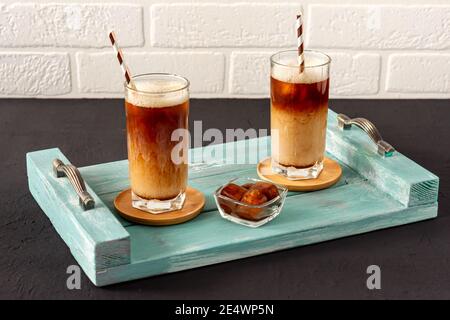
column 82, row 249
column 301, row 212
column 96, row 238
column 238, row 250
column 398, row 176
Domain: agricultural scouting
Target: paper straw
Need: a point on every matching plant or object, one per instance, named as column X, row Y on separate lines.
column 301, row 57
column 119, row 54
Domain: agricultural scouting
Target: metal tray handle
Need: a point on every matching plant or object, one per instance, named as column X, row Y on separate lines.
column 71, row 172
column 384, row 148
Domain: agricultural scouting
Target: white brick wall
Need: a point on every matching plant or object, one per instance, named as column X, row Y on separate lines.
column 34, row 74
column 222, row 25
column 100, row 72
column 426, row 73
column 379, row 27
column 379, row 48
column 355, row 74
column 68, row 25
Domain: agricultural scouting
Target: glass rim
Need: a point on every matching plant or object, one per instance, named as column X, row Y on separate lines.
column 184, row 87
column 327, row 57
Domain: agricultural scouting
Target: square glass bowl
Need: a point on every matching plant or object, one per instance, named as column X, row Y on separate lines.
column 246, row 214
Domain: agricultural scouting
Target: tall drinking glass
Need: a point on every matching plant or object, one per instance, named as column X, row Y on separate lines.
column 298, row 113
column 157, row 112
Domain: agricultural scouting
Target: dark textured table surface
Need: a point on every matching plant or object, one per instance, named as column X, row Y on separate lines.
column 414, row 259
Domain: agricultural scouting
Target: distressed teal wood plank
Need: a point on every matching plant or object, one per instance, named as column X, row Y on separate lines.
column 398, row 176
column 211, row 240
column 301, row 212
column 69, row 235
column 248, row 151
column 208, row 183
column 107, row 177
column 108, row 200
column 113, row 176
column 95, row 235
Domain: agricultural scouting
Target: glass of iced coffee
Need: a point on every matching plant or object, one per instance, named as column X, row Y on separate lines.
column 298, row 113
column 157, row 108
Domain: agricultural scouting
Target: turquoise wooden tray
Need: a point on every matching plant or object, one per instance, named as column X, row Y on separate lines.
column 373, row 193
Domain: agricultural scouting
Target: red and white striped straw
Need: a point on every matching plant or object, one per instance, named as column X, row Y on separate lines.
column 299, row 27
column 119, row 54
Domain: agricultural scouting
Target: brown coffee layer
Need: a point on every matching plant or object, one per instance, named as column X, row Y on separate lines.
column 298, row 120
column 299, row 97
column 153, row 174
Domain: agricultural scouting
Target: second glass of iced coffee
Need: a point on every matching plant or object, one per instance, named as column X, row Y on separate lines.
column 157, row 108
column 299, row 108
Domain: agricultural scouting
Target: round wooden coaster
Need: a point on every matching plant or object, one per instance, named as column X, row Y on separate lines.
column 193, row 205
column 330, row 174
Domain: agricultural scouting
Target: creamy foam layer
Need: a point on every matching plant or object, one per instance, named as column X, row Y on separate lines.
column 285, row 72
column 154, row 93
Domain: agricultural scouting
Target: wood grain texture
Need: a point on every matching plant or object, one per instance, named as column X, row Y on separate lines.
column 398, row 176
column 209, row 178
column 192, row 207
column 352, row 206
column 330, row 175
column 356, row 204
column 210, row 239
column 95, row 237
